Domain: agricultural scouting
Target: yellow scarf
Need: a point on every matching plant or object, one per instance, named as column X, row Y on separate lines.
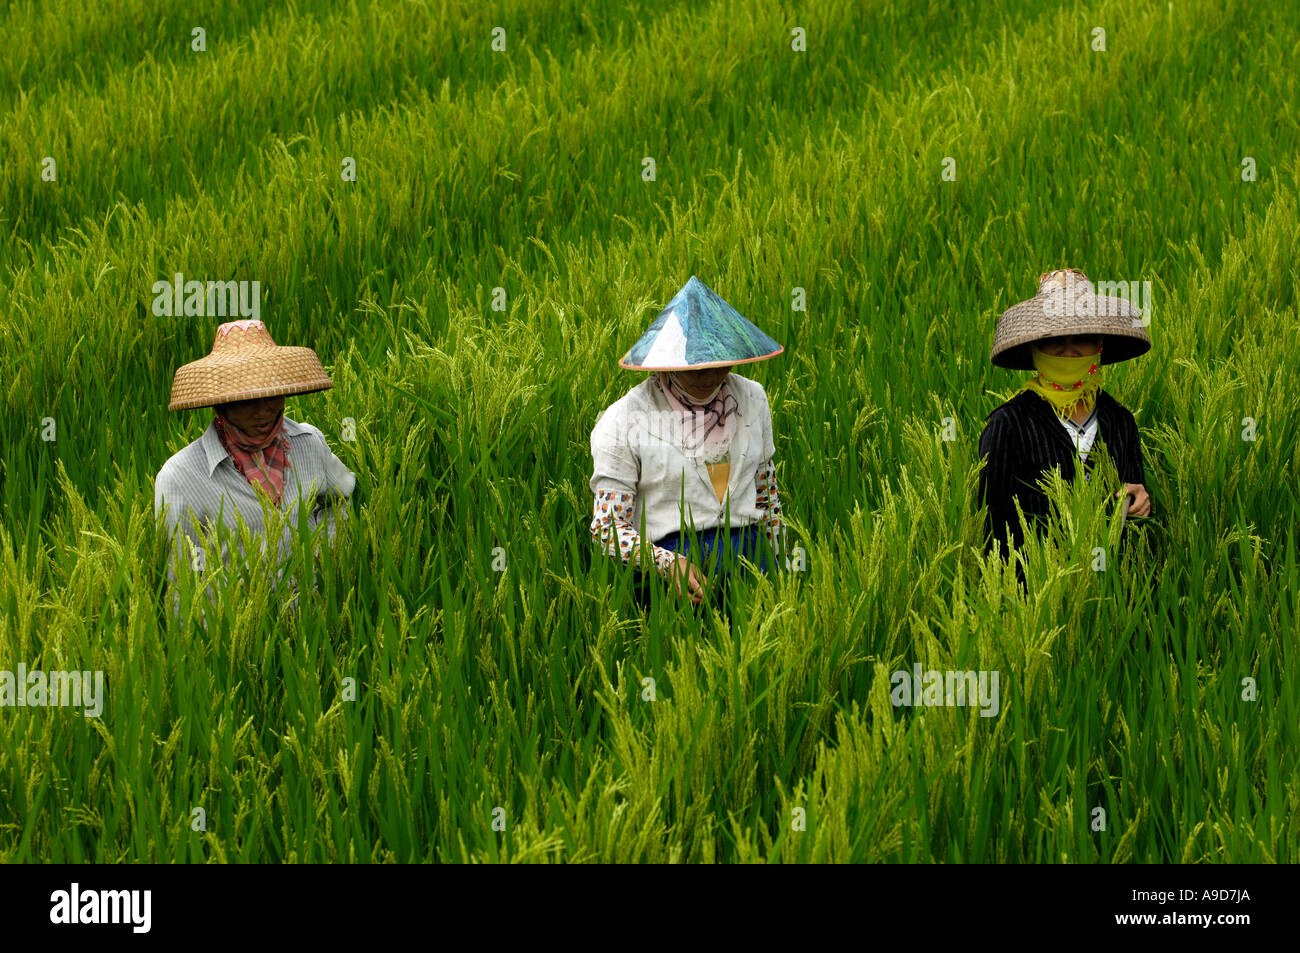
column 1065, row 382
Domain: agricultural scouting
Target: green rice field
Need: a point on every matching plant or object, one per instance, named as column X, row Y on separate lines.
column 872, row 183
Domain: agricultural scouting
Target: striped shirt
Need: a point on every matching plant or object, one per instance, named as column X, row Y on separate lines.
column 1023, row 439
column 199, row 485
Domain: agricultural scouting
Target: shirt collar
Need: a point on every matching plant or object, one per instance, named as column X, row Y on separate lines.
column 1041, row 410
column 1087, row 421
column 214, row 452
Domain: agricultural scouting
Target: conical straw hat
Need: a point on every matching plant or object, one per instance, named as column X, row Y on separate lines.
column 1067, row 303
column 699, row 329
column 245, row 364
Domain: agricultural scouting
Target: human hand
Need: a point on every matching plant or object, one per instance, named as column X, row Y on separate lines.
column 1140, row 504
column 688, row 578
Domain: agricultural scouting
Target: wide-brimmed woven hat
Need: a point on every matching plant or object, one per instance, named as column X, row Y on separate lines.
column 699, row 329
column 1067, row 303
column 245, row 364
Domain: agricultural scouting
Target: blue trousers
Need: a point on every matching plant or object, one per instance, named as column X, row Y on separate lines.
column 716, row 552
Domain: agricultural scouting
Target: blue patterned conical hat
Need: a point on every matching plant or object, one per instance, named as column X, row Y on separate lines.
column 699, row 329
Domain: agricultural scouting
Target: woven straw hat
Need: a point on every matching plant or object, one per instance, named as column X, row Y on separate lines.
column 699, row 329
column 1067, row 303
column 245, row 364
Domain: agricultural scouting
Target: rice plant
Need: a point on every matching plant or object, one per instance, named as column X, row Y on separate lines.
column 461, row 676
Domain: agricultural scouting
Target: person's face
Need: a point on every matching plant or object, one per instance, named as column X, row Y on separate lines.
column 254, row 417
column 702, row 383
column 1070, row 345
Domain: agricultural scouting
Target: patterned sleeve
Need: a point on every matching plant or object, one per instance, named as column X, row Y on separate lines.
column 612, row 523
column 768, row 502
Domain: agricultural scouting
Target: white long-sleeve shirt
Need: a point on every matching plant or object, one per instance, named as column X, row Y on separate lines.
column 641, row 471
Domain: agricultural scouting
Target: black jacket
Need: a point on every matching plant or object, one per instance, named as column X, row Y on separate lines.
column 1023, row 439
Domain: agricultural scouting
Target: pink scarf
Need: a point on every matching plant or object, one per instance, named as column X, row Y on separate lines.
column 705, row 422
column 262, row 463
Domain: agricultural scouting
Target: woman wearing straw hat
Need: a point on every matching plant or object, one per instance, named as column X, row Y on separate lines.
column 251, row 453
column 688, row 452
column 1066, row 333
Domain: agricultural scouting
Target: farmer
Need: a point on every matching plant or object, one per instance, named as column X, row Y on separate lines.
column 1066, row 333
column 250, row 454
column 689, row 448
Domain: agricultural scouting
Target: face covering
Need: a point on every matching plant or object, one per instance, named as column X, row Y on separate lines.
column 262, row 462
column 1067, row 383
column 686, row 397
column 706, row 421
